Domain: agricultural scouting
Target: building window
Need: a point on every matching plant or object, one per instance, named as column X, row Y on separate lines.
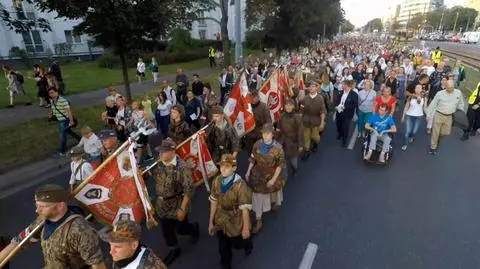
column 33, row 41
column 202, row 34
column 71, row 38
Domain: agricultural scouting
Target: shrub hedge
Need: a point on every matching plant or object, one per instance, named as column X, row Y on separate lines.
column 109, row 60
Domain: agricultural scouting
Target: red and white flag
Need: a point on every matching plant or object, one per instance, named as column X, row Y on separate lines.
column 271, row 95
column 116, row 190
column 197, row 156
column 239, row 108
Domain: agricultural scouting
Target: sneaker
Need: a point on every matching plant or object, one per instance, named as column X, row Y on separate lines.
column 368, row 155
column 432, row 152
column 59, row 154
column 410, row 140
column 381, row 158
column 404, row 147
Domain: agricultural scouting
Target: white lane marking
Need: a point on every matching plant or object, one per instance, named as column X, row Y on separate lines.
column 309, row 256
column 353, row 139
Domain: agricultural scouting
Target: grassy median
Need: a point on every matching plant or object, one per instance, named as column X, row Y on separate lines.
column 82, row 77
column 37, row 139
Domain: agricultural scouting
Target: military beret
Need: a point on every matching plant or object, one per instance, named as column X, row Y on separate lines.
column 123, row 231
column 107, row 133
column 166, row 146
column 228, row 159
column 52, row 193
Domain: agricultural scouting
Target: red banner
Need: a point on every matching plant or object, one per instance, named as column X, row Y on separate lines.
column 239, row 108
column 117, row 191
column 271, row 95
column 197, row 156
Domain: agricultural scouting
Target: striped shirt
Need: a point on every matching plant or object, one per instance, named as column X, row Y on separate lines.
column 60, row 108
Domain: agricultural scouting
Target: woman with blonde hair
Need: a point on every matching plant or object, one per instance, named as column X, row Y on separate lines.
column 15, row 84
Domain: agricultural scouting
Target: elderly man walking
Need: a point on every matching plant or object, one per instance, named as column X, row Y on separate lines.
column 442, row 107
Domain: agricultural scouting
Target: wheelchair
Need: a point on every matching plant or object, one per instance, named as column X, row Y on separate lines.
column 376, row 153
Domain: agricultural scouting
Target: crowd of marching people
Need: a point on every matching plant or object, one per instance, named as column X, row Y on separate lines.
column 365, row 82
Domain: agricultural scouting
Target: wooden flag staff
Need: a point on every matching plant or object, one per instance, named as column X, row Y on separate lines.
column 79, row 188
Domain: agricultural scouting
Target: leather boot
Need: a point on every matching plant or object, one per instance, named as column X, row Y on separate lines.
column 172, row 255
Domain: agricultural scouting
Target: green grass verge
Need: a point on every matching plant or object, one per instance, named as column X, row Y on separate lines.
column 37, row 139
column 87, row 76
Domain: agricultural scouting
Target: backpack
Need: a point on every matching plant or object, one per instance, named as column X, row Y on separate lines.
column 19, row 77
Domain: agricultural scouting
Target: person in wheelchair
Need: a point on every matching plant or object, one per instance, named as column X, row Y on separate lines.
column 380, row 125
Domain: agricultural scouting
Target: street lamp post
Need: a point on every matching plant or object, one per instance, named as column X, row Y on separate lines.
column 238, row 31
column 455, row 24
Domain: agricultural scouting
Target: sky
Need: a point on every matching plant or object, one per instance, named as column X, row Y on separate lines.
column 359, row 12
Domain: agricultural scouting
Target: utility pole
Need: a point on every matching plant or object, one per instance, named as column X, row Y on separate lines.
column 238, row 31
column 455, row 24
column 324, row 32
column 468, row 24
column 440, row 26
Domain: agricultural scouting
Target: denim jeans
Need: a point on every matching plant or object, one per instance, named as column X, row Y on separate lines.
column 64, row 130
column 362, row 119
column 412, row 123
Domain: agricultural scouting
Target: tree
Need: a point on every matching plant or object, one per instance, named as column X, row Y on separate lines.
column 347, row 26
column 466, row 17
column 375, row 24
column 121, row 25
column 21, row 25
column 416, row 21
column 223, row 5
column 284, row 29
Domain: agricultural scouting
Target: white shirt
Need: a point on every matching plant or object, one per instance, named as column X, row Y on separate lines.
column 430, row 69
column 344, row 98
column 170, row 95
column 91, row 145
column 164, row 108
column 120, row 115
column 415, row 109
column 136, row 263
column 83, row 172
column 141, row 67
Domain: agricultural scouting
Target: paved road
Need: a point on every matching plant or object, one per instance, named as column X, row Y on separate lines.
column 469, row 49
column 419, row 212
column 11, row 116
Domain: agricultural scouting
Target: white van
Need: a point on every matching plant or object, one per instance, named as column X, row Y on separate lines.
column 470, row 37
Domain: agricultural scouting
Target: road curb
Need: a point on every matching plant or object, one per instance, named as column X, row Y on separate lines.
column 35, row 173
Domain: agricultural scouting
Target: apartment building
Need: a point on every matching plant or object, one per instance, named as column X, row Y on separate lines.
column 408, row 8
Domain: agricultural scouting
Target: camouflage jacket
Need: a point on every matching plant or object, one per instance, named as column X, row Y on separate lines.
column 179, row 132
column 228, row 217
column 221, row 141
column 172, row 182
column 148, row 261
column 264, row 166
column 74, row 244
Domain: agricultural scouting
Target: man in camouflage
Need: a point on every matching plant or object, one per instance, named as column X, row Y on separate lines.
column 109, row 142
column 174, row 189
column 291, row 134
column 67, row 240
column 231, row 202
column 126, row 250
column 221, row 136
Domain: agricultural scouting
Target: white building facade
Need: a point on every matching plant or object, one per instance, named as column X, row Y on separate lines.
column 209, row 29
column 40, row 43
column 409, row 8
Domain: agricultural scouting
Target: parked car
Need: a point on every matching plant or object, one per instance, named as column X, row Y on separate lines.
column 454, row 38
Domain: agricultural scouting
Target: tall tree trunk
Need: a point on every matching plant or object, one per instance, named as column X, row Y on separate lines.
column 224, row 29
column 126, row 81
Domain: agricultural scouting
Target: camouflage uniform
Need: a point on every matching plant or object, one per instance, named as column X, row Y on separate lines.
column 232, row 199
column 265, row 166
column 291, row 136
column 228, row 217
column 179, row 131
column 172, row 182
column 73, row 244
column 222, row 140
column 148, row 261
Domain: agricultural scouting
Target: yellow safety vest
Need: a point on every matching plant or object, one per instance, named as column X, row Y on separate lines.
column 211, row 52
column 474, row 95
column 437, row 56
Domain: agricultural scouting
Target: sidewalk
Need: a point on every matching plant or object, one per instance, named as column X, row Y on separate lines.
column 21, row 113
